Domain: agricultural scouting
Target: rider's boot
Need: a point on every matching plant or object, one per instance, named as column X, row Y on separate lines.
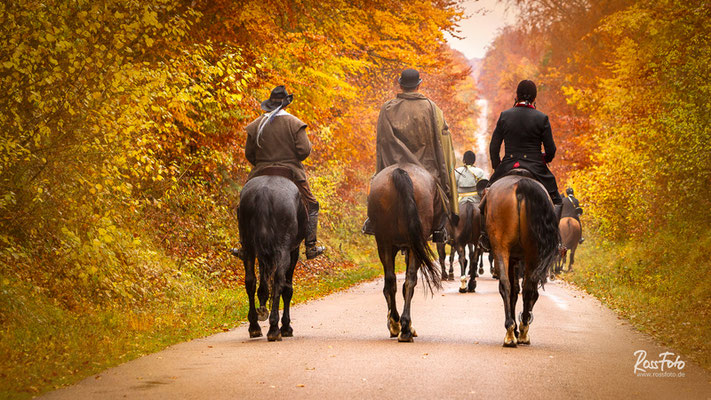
column 439, row 234
column 312, row 251
column 484, row 236
column 237, row 252
column 582, row 239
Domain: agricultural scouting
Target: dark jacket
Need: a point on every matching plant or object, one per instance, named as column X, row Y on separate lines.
column 522, row 130
column 571, row 208
column 282, row 143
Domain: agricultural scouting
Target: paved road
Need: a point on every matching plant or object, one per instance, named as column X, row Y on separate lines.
column 341, row 349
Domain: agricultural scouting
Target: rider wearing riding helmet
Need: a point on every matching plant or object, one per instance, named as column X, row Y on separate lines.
column 523, row 129
column 278, row 139
column 571, row 208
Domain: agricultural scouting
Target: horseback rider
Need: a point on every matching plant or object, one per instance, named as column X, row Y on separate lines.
column 278, row 139
column 523, row 129
column 412, row 129
column 467, row 178
column 572, row 209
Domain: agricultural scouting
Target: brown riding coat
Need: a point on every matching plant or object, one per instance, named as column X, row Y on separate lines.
column 283, row 143
column 412, row 129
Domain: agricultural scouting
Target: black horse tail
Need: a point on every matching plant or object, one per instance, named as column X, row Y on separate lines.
column 264, row 232
column 417, row 240
column 543, row 225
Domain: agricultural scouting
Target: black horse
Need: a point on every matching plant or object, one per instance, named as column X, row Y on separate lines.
column 272, row 224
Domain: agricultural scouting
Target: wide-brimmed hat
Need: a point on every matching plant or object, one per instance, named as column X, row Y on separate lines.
column 409, row 79
column 278, row 97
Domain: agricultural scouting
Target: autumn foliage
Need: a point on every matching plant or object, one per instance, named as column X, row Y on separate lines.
column 122, row 136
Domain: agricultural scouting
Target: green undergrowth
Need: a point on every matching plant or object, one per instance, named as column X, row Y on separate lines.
column 45, row 345
column 659, row 283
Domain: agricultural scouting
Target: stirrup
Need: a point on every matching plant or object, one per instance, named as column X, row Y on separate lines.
column 239, row 253
column 314, row 251
column 367, row 228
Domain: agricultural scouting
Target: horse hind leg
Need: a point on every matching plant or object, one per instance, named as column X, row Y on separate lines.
column 450, row 276
column 571, row 260
column 250, row 285
column 501, row 263
column 463, row 264
column 473, row 257
column 530, row 296
column 387, row 258
column 263, row 293
column 407, row 332
column 442, row 256
column 287, row 293
column 274, row 334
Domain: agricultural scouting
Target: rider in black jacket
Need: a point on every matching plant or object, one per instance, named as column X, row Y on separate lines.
column 523, row 129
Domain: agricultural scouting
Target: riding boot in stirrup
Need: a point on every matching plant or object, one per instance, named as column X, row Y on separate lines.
column 368, row 227
column 312, row 251
column 558, row 210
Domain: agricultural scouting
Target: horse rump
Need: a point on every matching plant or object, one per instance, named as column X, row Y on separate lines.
column 416, row 237
column 543, row 225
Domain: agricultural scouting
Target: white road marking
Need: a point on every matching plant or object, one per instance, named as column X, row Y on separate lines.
column 562, row 304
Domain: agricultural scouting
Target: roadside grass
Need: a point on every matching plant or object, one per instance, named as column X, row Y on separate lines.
column 660, row 284
column 44, row 346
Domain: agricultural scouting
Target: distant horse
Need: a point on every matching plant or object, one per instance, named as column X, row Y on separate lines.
column 467, row 232
column 464, row 234
column 522, row 226
column 272, row 224
column 401, row 206
column 570, row 233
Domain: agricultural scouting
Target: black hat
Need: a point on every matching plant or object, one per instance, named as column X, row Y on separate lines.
column 569, row 191
column 278, row 97
column 526, row 91
column 409, row 79
column 469, row 157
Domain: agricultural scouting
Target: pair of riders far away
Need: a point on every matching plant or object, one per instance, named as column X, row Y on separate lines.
column 411, row 129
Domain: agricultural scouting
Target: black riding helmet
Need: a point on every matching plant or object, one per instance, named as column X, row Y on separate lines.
column 469, row 158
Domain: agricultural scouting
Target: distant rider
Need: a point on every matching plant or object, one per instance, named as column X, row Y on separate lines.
column 572, row 209
column 467, row 177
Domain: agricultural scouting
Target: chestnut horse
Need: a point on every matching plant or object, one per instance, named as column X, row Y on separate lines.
column 522, row 226
column 272, row 223
column 570, row 233
column 401, row 207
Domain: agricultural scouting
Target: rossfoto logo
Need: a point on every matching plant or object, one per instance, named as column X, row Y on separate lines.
column 666, row 366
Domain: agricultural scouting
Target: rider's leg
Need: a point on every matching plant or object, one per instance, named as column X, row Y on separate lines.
column 312, row 250
column 557, row 203
column 311, row 229
column 439, row 219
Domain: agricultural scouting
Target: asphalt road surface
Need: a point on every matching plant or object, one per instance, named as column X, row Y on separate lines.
column 341, row 349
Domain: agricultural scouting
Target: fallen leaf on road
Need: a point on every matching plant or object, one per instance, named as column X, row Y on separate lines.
column 300, row 385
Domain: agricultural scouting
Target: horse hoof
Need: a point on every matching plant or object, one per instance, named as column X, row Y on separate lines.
column 393, row 327
column 288, row 332
column 274, row 338
column 481, row 271
column 405, row 337
column 255, row 333
column 510, row 339
column 523, row 337
column 451, row 277
column 462, row 290
column 471, row 289
column 262, row 313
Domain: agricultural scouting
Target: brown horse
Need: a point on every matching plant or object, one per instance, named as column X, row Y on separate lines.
column 401, row 207
column 570, row 233
column 522, row 226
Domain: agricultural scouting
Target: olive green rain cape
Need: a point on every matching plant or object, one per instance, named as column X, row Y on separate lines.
column 412, row 129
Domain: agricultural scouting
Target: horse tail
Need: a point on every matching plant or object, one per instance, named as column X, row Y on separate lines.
column 467, row 215
column 418, row 242
column 265, row 232
column 542, row 223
